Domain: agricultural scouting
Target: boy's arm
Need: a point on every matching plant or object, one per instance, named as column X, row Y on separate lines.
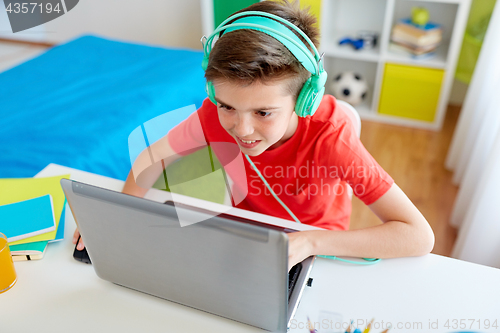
column 405, row 232
column 148, row 167
column 146, row 170
column 186, row 136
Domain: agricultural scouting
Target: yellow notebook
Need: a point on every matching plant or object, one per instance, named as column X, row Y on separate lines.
column 19, row 189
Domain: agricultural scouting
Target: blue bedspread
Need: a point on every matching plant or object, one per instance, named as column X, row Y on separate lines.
column 76, row 104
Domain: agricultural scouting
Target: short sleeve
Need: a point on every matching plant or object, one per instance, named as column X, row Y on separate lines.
column 356, row 166
column 187, row 136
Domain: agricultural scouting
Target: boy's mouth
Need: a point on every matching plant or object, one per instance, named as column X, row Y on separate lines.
column 248, row 143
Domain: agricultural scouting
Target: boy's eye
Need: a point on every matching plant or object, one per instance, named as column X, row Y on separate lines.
column 263, row 113
column 225, row 107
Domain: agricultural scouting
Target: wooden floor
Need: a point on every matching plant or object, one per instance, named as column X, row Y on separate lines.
column 415, row 159
column 12, row 54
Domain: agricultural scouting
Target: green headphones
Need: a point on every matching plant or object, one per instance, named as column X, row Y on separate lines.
column 275, row 26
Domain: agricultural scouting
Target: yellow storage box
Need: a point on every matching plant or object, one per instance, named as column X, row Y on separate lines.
column 410, row 92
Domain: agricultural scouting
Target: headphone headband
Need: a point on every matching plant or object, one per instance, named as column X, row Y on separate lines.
column 282, row 34
column 267, row 23
column 277, row 18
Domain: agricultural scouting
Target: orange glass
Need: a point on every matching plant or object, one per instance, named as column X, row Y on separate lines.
column 8, row 275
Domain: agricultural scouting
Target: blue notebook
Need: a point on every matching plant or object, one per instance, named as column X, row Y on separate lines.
column 60, row 228
column 27, row 218
column 428, row 26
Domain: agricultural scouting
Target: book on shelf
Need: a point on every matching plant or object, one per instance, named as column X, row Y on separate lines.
column 420, row 36
column 428, row 27
column 416, row 50
column 417, row 41
column 403, row 50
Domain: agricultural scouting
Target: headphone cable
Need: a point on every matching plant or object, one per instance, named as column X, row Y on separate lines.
column 369, row 261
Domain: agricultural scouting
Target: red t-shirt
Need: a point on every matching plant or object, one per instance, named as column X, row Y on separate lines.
column 309, row 172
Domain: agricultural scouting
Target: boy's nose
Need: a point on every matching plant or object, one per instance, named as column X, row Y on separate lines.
column 243, row 128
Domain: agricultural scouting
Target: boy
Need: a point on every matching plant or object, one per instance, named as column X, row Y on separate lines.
column 256, row 81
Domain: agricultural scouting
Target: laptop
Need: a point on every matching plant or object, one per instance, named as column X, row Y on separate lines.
column 225, row 265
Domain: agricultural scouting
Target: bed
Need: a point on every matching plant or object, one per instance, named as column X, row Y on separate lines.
column 77, row 103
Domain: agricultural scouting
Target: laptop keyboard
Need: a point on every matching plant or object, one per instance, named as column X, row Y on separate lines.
column 293, row 274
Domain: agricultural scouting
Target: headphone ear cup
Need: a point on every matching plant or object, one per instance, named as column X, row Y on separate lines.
column 310, row 95
column 303, row 107
column 209, row 88
column 316, row 100
column 300, row 109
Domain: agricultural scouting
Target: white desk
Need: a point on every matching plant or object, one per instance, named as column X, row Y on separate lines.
column 59, row 294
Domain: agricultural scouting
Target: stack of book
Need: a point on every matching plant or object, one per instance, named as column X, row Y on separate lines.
column 416, row 41
column 31, row 214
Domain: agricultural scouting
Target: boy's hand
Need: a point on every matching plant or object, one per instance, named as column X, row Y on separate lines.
column 75, row 238
column 299, row 247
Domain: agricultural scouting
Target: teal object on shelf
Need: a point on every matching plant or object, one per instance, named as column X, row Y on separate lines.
column 225, row 8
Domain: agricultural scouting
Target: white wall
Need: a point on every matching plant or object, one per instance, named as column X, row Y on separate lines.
column 160, row 22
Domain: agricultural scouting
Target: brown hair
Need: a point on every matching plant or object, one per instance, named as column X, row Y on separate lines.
column 246, row 56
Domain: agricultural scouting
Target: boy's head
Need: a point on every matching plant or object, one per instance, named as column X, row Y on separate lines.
column 257, row 80
column 247, row 56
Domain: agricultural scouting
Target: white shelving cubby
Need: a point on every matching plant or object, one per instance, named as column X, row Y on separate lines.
column 367, row 69
column 343, row 18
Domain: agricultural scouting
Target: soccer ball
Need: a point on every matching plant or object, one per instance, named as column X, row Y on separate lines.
column 349, row 87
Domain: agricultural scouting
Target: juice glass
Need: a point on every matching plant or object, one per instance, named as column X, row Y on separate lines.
column 8, row 276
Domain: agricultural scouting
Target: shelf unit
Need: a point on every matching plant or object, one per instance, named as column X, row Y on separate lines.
column 342, row 18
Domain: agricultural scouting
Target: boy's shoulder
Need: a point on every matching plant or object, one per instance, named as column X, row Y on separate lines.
column 330, row 114
column 208, row 112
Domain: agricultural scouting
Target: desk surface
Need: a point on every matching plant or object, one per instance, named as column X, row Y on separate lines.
column 425, row 294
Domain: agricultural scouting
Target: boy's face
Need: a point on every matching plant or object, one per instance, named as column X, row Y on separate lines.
column 258, row 116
